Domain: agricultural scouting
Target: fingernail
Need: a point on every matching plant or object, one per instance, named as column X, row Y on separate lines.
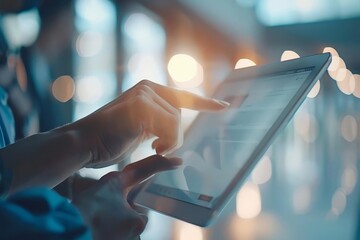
column 222, row 102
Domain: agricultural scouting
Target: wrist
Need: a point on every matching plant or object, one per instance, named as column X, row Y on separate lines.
column 79, row 140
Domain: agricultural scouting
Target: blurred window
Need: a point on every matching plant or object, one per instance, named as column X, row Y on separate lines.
column 144, row 46
column 283, row 12
column 95, row 61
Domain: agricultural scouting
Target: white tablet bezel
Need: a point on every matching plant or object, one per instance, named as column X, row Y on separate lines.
column 203, row 216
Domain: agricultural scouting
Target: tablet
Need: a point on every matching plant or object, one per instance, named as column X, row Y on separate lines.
column 220, row 149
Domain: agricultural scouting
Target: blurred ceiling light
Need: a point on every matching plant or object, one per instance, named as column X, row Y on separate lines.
column 301, row 199
column 244, row 62
column 63, row 88
column 331, row 50
column 183, row 68
column 315, row 90
column 347, row 84
column 349, row 128
column 357, row 85
column 336, row 65
column 338, row 202
column 89, row 89
column 94, row 11
column 89, row 43
column 340, row 74
column 348, row 179
column 188, row 231
column 263, row 171
column 289, row 55
column 21, row 29
column 195, row 82
column 248, row 201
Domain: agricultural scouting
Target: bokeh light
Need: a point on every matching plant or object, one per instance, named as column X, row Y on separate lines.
column 315, row 90
column 188, row 231
column 331, row 50
column 357, row 85
column 349, row 179
column 21, row 29
column 63, row 88
column 263, row 171
column 243, row 63
column 336, row 63
column 289, row 55
column 347, row 84
column 89, row 43
column 184, row 69
column 349, row 128
column 89, row 89
column 94, row 11
column 139, row 26
column 338, row 202
column 248, row 201
column 301, row 199
column 341, row 74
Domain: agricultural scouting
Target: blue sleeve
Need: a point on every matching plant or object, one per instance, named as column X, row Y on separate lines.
column 7, row 122
column 40, row 213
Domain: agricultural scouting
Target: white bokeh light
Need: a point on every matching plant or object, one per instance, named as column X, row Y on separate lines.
column 248, row 201
column 89, row 43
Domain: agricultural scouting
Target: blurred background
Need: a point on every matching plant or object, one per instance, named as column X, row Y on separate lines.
column 77, row 55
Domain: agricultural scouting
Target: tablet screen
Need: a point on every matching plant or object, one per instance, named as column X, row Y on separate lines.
column 218, row 145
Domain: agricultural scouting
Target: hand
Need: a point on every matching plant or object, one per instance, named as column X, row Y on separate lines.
column 104, row 206
column 146, row 110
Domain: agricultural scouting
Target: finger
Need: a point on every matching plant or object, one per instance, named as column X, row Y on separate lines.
column 159, row 122
column 161, row 144
column 140, row 226
column 184, row 99
column 162, row 147
column 159, row 100
column 137, row 172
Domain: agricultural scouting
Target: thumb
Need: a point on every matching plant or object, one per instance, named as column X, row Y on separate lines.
column 140, row 224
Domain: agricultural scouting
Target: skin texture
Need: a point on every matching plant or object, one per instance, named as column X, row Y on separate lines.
column 113, row 217
column 103, row 138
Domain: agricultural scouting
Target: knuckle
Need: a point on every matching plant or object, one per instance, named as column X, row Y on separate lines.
column 139, row 91
column 144, row 82
column 140, row 100
column 143, row 90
